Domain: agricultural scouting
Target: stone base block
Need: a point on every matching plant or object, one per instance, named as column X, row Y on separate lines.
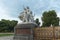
column 23, row 37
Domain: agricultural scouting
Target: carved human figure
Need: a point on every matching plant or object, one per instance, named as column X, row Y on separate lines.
column 26, row 15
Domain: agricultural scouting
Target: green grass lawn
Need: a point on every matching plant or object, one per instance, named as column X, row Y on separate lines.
column 6, row 34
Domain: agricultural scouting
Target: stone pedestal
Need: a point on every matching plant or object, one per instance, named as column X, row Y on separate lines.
column 24, row 31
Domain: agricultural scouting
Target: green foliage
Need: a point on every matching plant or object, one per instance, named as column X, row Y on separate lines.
column 6, row 34
column 37, row 21
column 49, row 18
column 7, row 25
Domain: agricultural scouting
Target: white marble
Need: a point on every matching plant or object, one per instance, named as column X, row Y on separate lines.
column 26, row 15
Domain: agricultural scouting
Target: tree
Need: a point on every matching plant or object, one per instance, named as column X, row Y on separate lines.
column 37, row 21
column 49, row 18
column 12, row 25
column 7, row 25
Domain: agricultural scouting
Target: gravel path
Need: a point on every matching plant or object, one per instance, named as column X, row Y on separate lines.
column 6, row 38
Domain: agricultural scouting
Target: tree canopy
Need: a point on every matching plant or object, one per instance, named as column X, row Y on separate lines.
column 7, row 25
column 49, row 18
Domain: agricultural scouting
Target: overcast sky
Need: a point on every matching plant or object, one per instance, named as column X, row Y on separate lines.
column 10, row 9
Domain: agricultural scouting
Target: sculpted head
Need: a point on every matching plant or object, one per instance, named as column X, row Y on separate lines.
column 26, row 16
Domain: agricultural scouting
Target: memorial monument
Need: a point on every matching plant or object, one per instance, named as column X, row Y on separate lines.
column 24, row 30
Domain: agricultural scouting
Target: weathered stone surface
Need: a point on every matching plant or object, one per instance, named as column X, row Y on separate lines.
column 23, row 37
column 26, row 25
column 24, row 31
